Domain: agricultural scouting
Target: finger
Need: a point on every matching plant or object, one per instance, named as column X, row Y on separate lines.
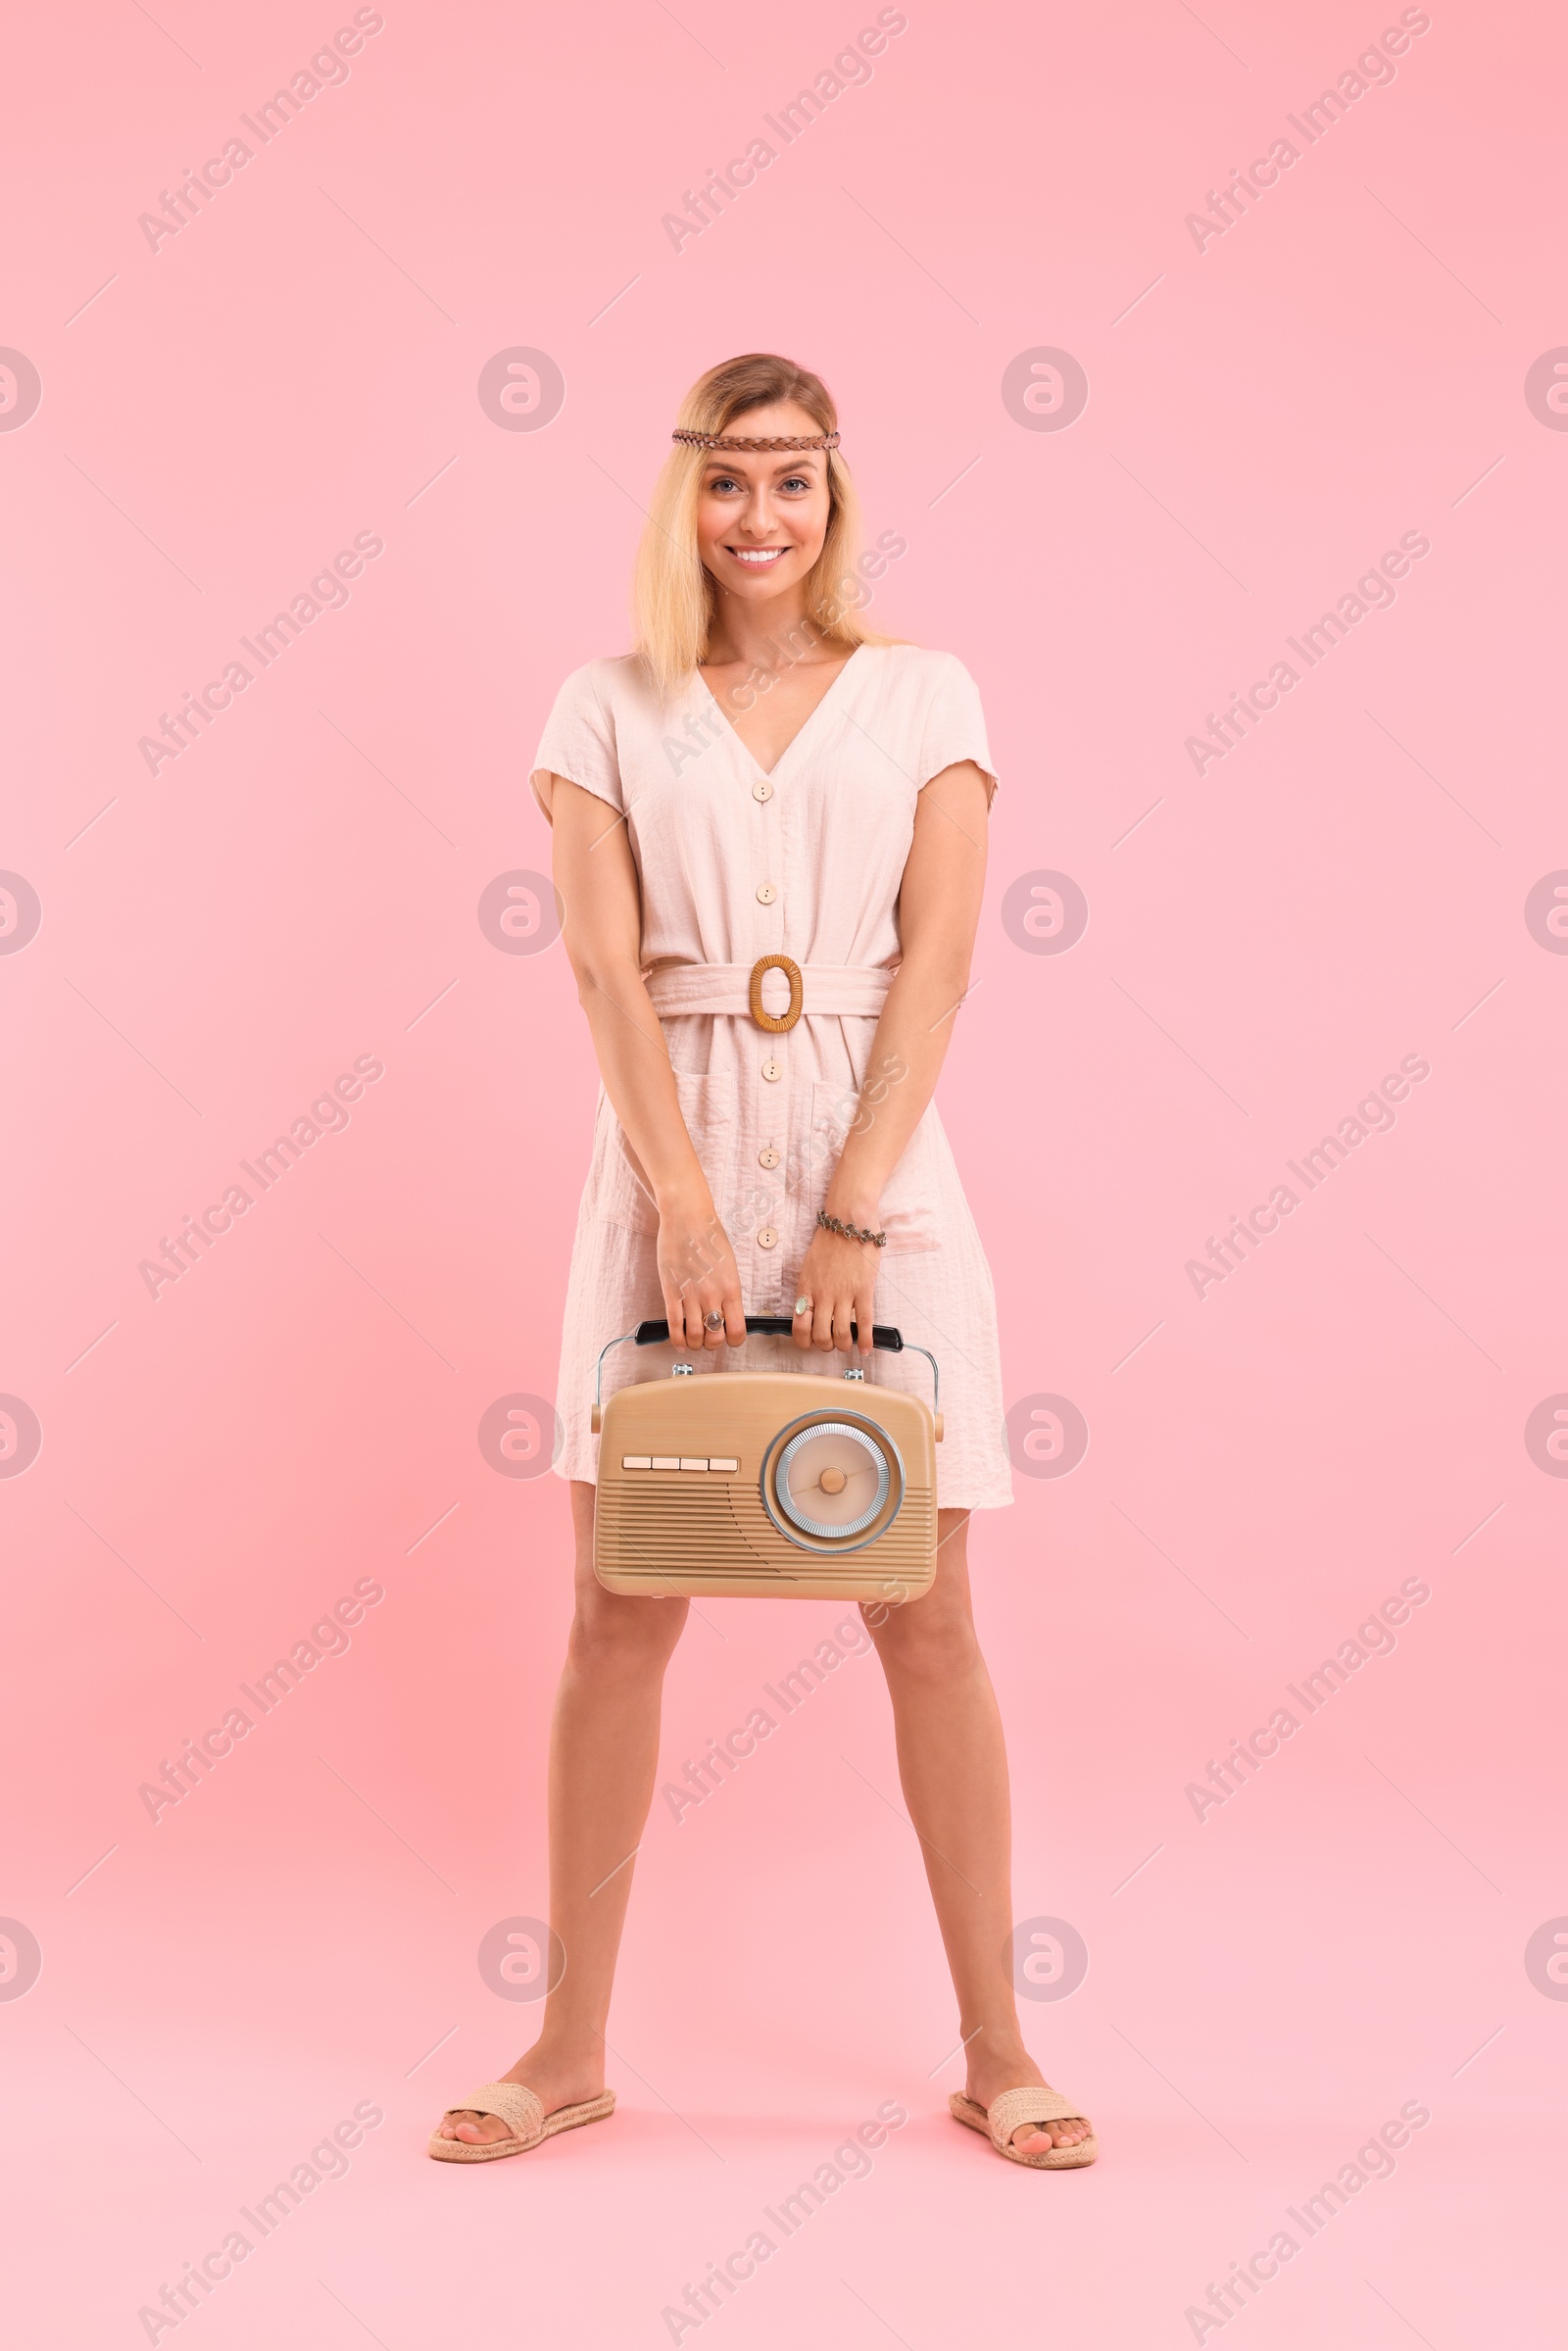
column 822, row 1319
column 692, row 1327
column 865, row 1310
column 675, row 1315
column 801, row 1333
column 715, row 1304
column 734, row 1306
column 844, row 1325
column 706, row 1292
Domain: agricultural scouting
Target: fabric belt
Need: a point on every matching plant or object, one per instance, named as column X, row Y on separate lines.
column 854, row 988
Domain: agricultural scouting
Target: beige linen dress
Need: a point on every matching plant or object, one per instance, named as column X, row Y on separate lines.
column 736, row 863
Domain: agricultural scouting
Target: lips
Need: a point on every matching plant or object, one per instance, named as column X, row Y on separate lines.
column 757, row 559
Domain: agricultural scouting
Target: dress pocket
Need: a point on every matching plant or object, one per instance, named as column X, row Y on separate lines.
column 910, row 1197
column 707, row 1108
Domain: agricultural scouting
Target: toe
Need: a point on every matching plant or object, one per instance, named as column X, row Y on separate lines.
column 474, row 2129
column 1037, row 2138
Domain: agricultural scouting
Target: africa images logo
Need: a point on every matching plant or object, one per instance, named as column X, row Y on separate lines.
column 21, row 389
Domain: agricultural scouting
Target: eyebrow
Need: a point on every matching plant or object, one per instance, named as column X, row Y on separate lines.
column 785, row 465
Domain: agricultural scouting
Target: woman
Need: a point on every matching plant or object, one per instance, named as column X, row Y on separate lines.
column 766, row 775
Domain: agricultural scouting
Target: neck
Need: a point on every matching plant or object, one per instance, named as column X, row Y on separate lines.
column 770, row 637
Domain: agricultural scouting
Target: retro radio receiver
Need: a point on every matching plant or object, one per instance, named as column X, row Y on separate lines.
column 740, row 1483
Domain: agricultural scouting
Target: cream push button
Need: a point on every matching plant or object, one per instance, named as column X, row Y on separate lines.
column 766, row 894
column 761, row 789
column 767, row 1156
column 678, row 1461
column 772, row 1071
column 768, row 1238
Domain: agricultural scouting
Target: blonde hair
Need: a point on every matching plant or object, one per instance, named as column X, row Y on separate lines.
column 673, row 593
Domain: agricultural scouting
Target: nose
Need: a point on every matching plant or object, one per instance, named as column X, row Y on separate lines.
column 757, row 516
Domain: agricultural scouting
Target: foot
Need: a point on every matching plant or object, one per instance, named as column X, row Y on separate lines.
column 990, row 2073
column 555, row 2081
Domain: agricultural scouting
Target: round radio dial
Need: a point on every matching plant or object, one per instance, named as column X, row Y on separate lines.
column 832, row 1478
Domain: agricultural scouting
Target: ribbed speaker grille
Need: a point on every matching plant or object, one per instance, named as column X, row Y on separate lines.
column 657, row 1527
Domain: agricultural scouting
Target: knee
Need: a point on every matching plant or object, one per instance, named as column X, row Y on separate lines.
column 613, row 1637
column 926, row 1642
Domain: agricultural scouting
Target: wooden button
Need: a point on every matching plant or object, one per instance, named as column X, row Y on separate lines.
column 767, row 1156
column 833, row 1481
column 766, row 894
column 761, row 789
column 768, row 1238
column 772, row 1071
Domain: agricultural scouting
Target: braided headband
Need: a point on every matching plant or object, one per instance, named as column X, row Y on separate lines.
column 719, row 440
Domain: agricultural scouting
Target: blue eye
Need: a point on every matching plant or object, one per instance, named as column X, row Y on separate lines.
column 796, row 481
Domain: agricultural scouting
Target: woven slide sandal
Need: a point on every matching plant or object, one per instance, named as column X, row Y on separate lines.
column 525, row 2117
column 1018, row 2106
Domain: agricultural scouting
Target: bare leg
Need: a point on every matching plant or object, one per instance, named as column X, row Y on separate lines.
column 604, row 1752
column 953, row 1767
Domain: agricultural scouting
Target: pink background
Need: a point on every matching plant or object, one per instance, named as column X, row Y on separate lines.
column 301, row 1408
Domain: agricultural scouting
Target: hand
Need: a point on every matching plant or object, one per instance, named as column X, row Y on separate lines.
column 839, row 1277
column 698, row 1274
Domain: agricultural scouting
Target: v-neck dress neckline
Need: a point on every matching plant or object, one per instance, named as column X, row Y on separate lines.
column 805, row 727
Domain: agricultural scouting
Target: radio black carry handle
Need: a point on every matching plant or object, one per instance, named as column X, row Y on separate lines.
column 884, row 1335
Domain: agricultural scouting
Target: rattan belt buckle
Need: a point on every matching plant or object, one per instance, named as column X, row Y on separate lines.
column 792, row 973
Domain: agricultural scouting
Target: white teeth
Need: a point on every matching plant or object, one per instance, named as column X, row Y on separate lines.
column 757, row 555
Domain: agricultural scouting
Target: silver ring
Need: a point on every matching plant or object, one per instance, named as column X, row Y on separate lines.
column 803, row 1305
column 714, row 1321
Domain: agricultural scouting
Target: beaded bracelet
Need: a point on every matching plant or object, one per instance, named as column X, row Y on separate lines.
column 849, row 1232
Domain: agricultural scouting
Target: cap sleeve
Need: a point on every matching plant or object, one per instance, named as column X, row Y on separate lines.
column 579, row 743
column 955, row 728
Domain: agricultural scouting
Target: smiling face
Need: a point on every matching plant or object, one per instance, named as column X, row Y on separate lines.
column 763, row 514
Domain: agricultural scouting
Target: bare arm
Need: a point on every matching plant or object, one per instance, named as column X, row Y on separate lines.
column 597, row 880
column 939, row 912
